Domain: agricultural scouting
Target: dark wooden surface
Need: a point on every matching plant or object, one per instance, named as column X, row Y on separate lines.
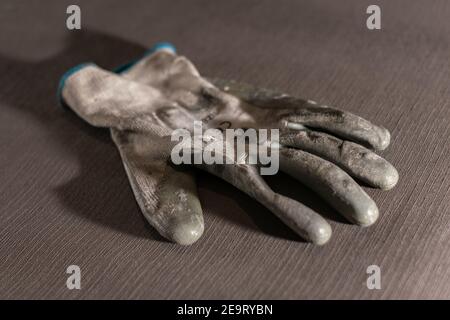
column 64, row 197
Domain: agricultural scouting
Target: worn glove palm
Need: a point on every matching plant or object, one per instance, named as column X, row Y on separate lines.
column 164, row 91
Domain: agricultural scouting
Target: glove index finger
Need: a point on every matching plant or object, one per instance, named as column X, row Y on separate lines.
column 304, row 221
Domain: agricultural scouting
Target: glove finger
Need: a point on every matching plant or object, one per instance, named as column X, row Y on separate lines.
column 331, row 183
column 166, row 195
column 292, row 112
column 340, row 123
column 304, row 221
column 355, row 159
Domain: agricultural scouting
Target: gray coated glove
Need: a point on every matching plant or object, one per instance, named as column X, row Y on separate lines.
column 163, row 92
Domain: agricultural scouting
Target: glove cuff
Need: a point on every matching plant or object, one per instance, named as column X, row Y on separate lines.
column 65, row 76
column 159, row 46
column 121, row 69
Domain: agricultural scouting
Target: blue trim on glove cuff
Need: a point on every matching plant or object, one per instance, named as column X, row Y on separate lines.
column 159, row 46
column 66, row 75
column 118, row 70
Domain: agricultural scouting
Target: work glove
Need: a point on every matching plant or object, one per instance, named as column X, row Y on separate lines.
column 145, row 101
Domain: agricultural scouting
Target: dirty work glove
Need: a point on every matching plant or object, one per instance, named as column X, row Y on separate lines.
column 163, row 91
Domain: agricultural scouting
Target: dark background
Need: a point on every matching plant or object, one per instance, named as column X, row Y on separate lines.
column 65, row 199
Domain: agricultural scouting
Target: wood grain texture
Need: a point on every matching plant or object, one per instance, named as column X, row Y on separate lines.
column 65, row 199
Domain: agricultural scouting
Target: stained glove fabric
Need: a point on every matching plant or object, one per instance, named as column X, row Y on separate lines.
column 320, row 146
